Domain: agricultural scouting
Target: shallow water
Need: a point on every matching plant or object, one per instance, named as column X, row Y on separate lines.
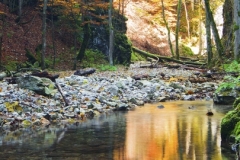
column 174, row 132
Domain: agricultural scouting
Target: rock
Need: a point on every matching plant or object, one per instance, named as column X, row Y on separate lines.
column 226, row 100
column 35, row 84
column 37, row 122
column 113, row 89
column 209, row 113
column 160, row 106
column 44, row 121
column 122, row 107
column 188, row 97
column 176, row 85
column 162, row 99
column 89, row 114
column 2, row 75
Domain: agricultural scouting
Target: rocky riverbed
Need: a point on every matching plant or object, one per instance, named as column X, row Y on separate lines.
column 101, row 92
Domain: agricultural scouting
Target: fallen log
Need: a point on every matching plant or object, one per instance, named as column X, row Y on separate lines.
column 165, row 58
column 85, row 72
column 46, row 75
column 195, row 69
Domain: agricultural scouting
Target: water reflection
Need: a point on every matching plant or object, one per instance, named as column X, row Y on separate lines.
column 175, row 132
column 148, row 133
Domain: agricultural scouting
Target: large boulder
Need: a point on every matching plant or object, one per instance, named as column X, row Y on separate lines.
column 43, row 86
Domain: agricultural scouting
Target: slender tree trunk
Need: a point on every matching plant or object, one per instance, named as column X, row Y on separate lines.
column 208, row 38
column 53, row 38
column 200, row 28
column 214, row 29
column 110, row 49
column 123, row 6
column 236, row 11
column 168, row 30
column 75, row 52
column 20, row 3
column 44, row 28
column 192, row 4
column 187, row 19
column 2, row 32
column 179, row 8
column 119, row 6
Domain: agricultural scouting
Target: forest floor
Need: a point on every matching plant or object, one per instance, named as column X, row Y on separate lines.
column 25, row 33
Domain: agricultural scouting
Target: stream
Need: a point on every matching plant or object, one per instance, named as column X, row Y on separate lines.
column 179, row 131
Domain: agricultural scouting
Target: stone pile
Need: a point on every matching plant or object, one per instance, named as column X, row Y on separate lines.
column 90, row 96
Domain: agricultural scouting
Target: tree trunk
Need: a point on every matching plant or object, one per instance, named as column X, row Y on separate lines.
column 3, row 16
column 44, row 28
column 227, row 36
column 187, row 19
column 236, row 11
column 214, row 29
column 110, row 49
column 179, row 8
column 75, row 52
column 53, row 38
column 168, row 30
column 20, row 3
column 86, row 37
column 192, row 4
column 200, row 44
column 208, row 38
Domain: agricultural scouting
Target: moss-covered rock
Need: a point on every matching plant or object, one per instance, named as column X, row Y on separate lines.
column 230, row 125
column 236, row 132
column 99, row 39
column 227, row 92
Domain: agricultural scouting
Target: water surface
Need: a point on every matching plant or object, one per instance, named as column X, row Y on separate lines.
column 175, row 132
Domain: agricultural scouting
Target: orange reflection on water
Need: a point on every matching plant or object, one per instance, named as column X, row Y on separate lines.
column 172, row 133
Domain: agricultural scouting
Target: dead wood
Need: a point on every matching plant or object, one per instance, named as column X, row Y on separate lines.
column 46, row 75
column 85, row 72
column 60, row 90
column 165, row 58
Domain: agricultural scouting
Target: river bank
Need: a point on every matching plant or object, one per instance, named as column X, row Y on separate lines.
column 98, row 93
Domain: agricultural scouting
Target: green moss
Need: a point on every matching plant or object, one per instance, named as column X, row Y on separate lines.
column 236, row 103
column 236, row 132
column 137, row 57
column 11, row 65
column 107, row 68
column 228, row 123
column 186, row 51
column 93, row 58
column 235, row 26
column 122, row 49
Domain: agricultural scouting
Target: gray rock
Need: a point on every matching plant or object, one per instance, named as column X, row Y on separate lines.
column 35, row 84
column 162, row 99
column 113, row 89
column 226, row 100
column 188, row 97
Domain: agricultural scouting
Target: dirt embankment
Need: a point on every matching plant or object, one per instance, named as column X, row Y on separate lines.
column 143, row 29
